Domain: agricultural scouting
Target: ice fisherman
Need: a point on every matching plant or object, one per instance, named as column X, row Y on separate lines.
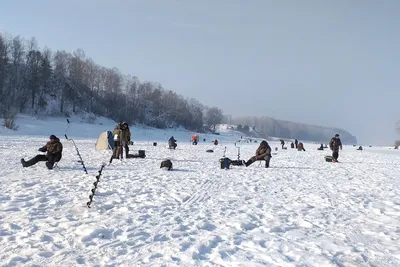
column 263, row 152
column 54, row 153
column 125, row 138
column 334, row 145
column 300, row 147
column 172, row 143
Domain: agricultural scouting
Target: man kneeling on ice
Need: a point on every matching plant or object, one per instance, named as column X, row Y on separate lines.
column 263, row 153
column 54, row 153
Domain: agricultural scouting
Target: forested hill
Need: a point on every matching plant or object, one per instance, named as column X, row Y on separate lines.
column 41, row 81
column 267, row 127
column 58, row 83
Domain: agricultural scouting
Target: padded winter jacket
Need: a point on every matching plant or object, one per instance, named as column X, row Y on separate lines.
column 125, row 135
column 117, row 134
column 52, row 148
column 335, row 144
column 263, row 150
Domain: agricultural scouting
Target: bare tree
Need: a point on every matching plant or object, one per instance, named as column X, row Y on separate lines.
column 61, row 77
column 4, row 65
column 33, row 60
column 213, row 117
column 76, row 83
column 17, row 69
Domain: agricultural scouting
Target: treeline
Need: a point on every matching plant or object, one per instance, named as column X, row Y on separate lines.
column 268, row 127
column 34, row 80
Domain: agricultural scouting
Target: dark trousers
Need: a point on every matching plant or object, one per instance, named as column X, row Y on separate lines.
column 335, row 154
column 50, row 160
column 126, row 150
column 117, row 152
column 253, row 159
column 124, row 146
column 172, row 146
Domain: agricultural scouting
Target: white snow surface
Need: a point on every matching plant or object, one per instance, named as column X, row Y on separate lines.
column 302, row 211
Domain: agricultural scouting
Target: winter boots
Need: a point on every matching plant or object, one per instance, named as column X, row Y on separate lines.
column 250, row 161
column 23, row 163
column 29, row 162
column 33, row 161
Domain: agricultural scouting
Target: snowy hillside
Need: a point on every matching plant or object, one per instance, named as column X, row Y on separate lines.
column 80, row 128
column 302, row 211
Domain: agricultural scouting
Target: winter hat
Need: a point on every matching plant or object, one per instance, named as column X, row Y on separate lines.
column 53, row 136
column 264, row 143
column 337, row 135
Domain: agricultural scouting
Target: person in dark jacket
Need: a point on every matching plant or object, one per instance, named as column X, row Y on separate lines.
column 296, row 142
column 54, row 153
column 282, row 143
column 334, row 145
column 292, row 145
column 300, row 147
column 172, row 143
column 263, row 152
column 125, row 138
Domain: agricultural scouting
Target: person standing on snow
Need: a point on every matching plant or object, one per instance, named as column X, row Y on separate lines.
column 117, row 142
column 54, row 153
column 125, row 138
column 282, row 143
column 334, row 145
column 263, row 152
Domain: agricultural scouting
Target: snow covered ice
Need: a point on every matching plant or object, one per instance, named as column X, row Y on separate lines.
column 302, row 211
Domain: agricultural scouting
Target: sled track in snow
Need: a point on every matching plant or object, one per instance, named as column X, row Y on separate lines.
column 186, row 210
column 189, row 207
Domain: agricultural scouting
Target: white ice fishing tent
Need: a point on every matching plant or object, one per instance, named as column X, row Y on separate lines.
column 105, row 141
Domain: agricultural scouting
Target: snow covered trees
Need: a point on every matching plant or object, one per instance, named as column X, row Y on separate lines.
column 213, row 117
column 57, row 83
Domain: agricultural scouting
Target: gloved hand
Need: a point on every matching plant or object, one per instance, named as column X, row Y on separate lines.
column 41, row 149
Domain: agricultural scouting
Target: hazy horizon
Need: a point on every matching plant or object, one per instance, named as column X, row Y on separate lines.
column 333, row 64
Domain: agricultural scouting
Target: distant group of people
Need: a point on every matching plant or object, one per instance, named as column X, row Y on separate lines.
column 122, row 138
column 295, row 144
column 172, row 142
column 263, row 152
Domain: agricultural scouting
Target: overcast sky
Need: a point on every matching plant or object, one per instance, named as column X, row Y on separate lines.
column 332, row 63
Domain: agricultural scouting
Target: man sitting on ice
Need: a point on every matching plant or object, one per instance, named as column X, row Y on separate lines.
column 54, row 153
column 263, row 152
